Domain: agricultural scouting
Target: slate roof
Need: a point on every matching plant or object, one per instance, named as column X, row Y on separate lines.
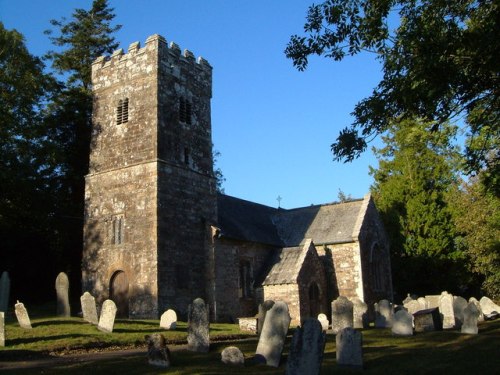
column 324, row 224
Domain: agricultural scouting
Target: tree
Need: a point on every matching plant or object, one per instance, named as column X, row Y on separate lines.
column 417, row 169
column 439, row 59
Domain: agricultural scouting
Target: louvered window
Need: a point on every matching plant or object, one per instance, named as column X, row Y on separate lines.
column 184, row 111
column 122, row 111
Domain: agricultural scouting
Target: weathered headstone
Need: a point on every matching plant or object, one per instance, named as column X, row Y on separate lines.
column 232, row 355
column 62, row 288
column 263, row 309
column 402, row 324
column 488, row 306
column 2, row 328
column 427, row 320
column 306, row 350
column 168, row 320
column 273, row 335
column 349, row 348
column 198, row 326
column 407, row 299
column 478, row 305
column 248, row 324
column 459, row 304
column 158, row 352
column 383, row 314
column 22, row 315
column 423, row 303
column 107, row 318
column 446, row 310
column 432, row 301
column 413, row 306
column 89, row 309
column 470, row 316
column 359, row 313
column 4, row 291
column 342, row 314
column 323, row 321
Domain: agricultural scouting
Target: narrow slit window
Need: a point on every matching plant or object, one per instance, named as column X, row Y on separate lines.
column 184, row 111
column 122, row 111
column 118, row 229
column 186, row 156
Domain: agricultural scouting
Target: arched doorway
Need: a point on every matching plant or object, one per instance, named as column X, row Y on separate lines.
column 314, row 301
column 118, row 292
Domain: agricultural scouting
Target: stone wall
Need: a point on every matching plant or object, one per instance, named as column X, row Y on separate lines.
column 288, row 293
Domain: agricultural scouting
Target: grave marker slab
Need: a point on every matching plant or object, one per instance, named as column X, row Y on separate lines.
column 261, row 317
column 488, row 306
column 198, row 326
column 413, row 307
column 22, row 315
column 383, row 314
column 62, row 288
column 470, row 317
column 342, row 314
column 4, row 291
column 349, row 348
column 168, row 320
column 158, row 352
column 359, row 313
column 432, row 301
column 107, row 318
column 427, row 320
column 232, row 355
column 402, row 324
column 273, row 335
column 2, row 328
column 423, row 303
column 446, row 310
column 459, row 305
column 478, row 305
column 89, row 309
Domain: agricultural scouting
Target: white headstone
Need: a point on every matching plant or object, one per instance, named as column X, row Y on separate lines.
column 4, row 291
column 168, row 320
column 423, row 303
column 2, row 328
column 459, row 305
column 402, row 324
column 342, row 314
column 470, row 315
column 89, row 309
column 446, row 310
column 22, row 315
column 62, row 291
column 273, row 335
column 413, row 306
column 383, row 314
column 198, row 327
column 349, row 348
column 488, row 306
column 323, row 321
column 107, row 318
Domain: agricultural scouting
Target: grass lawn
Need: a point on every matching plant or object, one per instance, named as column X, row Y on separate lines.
column 433, row 352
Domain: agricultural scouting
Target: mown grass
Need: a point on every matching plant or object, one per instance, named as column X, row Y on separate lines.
column 425, row 353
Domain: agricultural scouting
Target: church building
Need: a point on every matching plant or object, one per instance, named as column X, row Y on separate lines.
column 157, row 234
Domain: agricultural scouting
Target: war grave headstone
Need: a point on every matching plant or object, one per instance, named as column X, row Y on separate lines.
column 402, row 324
column 306, row 349
column 62, row 288
column 478, row 305
column 383, row 314
column 323, row 321
column 349, row 348
column 427, row 320
column 359, row 313
column 2, row 328
column 489, row 308
column 273, row 335
column 459, row 304
column 22, row 315
column 261, row 317
column 89, row 309
column 470, row 317
column 198, row 326
column 158, row 352
column 168, row 320
column 232, row 355
column 446, row 310
column 4, row 291
column 107, row 318
column 342, row 314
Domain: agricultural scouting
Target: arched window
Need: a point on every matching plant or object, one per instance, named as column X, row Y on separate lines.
column 376, row 267
column 314, row 300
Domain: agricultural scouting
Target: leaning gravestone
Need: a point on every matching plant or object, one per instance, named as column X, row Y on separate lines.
column 488, row 306
column 478, row 305
column 427, row 320
column 62, row 288
column 342, row 314
column 2, row 328
column 383, row 314
column 107, row 318
column 349, row 348
column 459, row 305
column 273, row 335
column 198, row 327
column 470, row 315
column 261, row 317
column 158, row 353
column 324, row 321
column 446, row 310
column 359, row 313
column 4, row 291
column 168, row 320
column 22, row 315
column 306, row 350
column 89, row 309
column 402, row 324
column 232, row 355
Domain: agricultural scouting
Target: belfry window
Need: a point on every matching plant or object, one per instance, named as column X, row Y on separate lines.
column 122, row 111
column 184, row 110
column 118, row 229
column 245, row 279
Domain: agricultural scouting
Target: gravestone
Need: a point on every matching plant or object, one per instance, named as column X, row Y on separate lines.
column 273, row 335
column 407, row 299
column 427, row 320
column 423, row 303
column 488, row 307
column 432, row 301
column 158, row 352
column 413, row 307
column 2, row 328
column 306, row 350
column 478, row 305
column 89, row 309
column 342, row 314
column 168, row 320
column 248, row 324
column 470, row 316
column 349, row 348
column 22, row 315
column 446, row 310
column 62, row 288
column 402, row 324
column 383, row 314
column 107, row 318
column 323, row 321
column 359, row 313
column 261, row 317
column 4, row 291
column 198, row 327
column 459, row 304
column 232, row 355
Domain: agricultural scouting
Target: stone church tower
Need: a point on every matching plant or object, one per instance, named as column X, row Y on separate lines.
column 150, row 196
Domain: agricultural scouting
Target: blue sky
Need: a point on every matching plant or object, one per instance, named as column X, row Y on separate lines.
column 272, row 124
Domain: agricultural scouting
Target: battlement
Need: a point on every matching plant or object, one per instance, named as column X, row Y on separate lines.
column 154, row 42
